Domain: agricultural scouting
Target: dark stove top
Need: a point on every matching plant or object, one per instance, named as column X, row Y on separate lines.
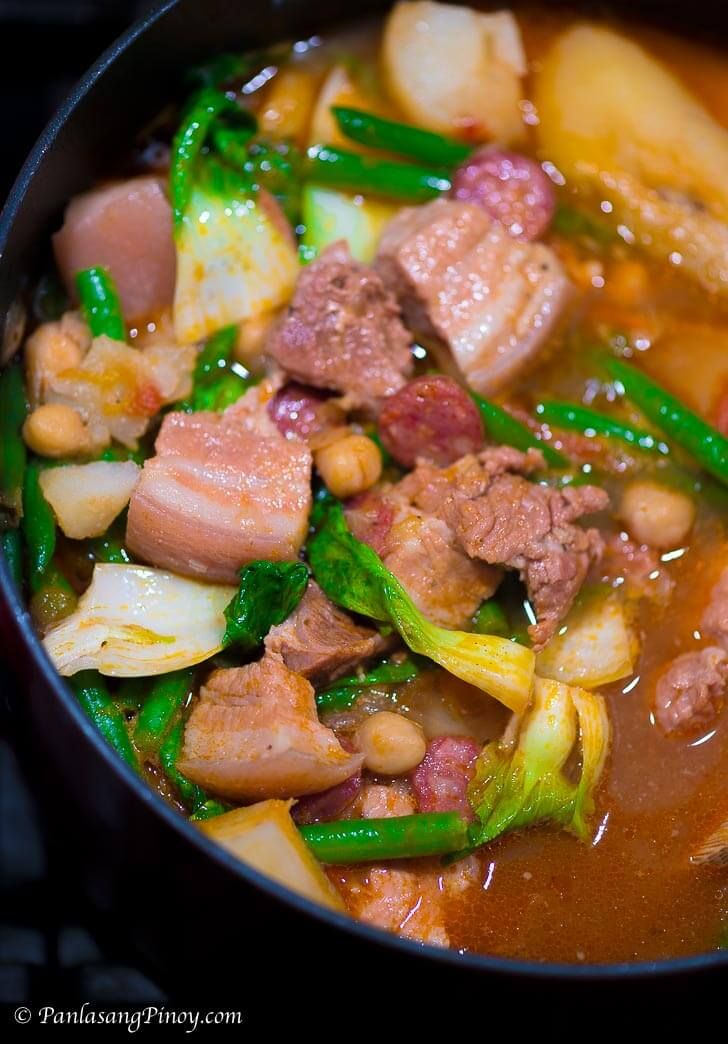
column 46, row 949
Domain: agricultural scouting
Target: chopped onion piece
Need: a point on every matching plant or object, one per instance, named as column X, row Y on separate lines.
column 594, row 647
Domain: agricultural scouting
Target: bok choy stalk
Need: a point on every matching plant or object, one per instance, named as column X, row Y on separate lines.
column 353, row 576
column 521, row 780
column 236, row 255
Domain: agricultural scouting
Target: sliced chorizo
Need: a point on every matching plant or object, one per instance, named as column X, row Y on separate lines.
column 431, row 419
column 513, row 189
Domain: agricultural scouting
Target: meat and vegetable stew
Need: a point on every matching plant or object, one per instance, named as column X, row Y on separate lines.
column 365, row 467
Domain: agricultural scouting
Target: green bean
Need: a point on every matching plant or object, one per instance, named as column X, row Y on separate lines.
column 571, row 222
column 491, row 618
column 165, row 700
column 400, row 837
column 116, row 452
column 100, row 303
column 202, row 806
column 188, row 141
column 110, row 549
column 39, row 525
column 348, row 170
column 131, row 693
column 93, row 695
column 344, row 693
column 53, row 598
column 700, row 439
column 504, row 428
column 402, row 138
column 589, row 422
column 13, row 551
column 215, row 385
column 13, row 410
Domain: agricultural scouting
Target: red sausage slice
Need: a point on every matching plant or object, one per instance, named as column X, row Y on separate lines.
column 513, row 189
column 298, row 411
column 440, row 781
column 430, row 418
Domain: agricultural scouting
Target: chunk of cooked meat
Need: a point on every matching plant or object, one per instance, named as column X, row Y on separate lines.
column 691, row 691
column 254, row 733
column 421, row 551
column 714, row 622
column 343, row 331
column 127, row 228
column 218, row 495
column 460, row 277
column 498, row 516
column 321, row 641
column 440, row 781
column 402, row 898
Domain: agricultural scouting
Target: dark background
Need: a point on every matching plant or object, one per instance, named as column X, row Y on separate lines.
column 49, row 949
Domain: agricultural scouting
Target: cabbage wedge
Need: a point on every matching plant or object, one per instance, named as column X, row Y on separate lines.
column 134, row 621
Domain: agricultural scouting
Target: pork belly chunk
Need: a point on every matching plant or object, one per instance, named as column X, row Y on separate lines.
column 498, row 516
column 422, row 552
column 343, row 331
column 691, row 692
column 254, row 733
column 218, row 494
column 461, row 278
column 321, row 641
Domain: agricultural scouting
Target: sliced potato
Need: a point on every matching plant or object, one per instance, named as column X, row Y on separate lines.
column 86, row 498
column 457, row 71
column 631, row 138
column 264, row 835
column 594, row 647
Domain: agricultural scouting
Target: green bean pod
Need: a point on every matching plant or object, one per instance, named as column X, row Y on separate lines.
column 399, row 837
column 591, row 423
column 93, row 695
column 687, row 429
column 348, row 170
column 13, row 410
column 100, row 303
column 505, row 429
column 12, row 547
column 201, row 805
column 491, row 618
column 39, row 525
column 402, row 138
column 344, row 693
column 164, row 702
column 53, row 598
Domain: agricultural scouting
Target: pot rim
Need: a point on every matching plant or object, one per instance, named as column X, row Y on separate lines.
column 472, row 962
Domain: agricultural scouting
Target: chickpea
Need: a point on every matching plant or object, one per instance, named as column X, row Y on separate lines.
column 55, row 430
column 51, row 349
column 350, row 465
column 391, row 744
column 656, row 515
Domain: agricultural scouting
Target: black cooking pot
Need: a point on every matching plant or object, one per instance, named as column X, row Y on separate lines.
column 195, row 915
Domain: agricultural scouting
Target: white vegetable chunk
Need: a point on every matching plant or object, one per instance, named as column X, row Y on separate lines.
column 134, row 622
column 86, row 498
column 265, row 836
column 455, row 70
column 594, row 646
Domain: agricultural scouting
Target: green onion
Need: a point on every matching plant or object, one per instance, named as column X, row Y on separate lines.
column 421, row 145
column 700, row 439
column 400, row 837
column 589, row 422
column 100, row 303
column 348, row 170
